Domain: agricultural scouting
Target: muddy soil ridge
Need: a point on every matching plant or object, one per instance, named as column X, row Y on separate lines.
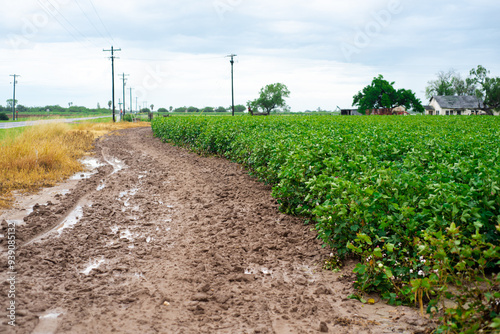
column 161, row 240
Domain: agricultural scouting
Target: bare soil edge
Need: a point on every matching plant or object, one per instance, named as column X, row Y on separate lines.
column 171, row 242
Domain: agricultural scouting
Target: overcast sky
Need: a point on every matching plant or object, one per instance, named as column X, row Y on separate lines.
column 174, row 50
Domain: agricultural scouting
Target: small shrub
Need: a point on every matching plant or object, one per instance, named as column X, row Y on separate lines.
column 3, row 116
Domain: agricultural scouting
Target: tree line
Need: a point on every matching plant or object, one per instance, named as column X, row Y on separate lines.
column 53, row 109
column 237, row 108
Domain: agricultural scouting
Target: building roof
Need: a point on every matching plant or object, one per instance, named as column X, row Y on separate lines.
column 458, row 102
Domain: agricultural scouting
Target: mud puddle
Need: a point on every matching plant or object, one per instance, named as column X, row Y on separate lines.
column 94, row 264
column 116, row 163
column 48, row 323
column 91, row 165
column 68, row 222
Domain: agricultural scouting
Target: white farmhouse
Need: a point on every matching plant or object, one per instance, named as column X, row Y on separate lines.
column 455, row 105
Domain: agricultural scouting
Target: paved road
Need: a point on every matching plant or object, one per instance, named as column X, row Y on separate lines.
column 30, row 123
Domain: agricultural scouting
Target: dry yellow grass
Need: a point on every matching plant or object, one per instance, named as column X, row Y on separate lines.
column 46, row 154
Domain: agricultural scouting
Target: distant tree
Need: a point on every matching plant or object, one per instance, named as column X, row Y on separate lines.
column 152, row 107
column 145, row 110
column 180, row 109
column 442, row 86
column 271, row 97
column 21, row 108
column 381, row 94
column 487, row 89
column 78, row 109
column 55, row 108
column 239, row 108
column 208, row 109
column 109, row 104
column 222, row 109
column 193, row 109
column 170, row 108
column 463, row 87
column 9, row 103
column 449, row 84
column 162, row 110
column 491, row 93
column 98, row 106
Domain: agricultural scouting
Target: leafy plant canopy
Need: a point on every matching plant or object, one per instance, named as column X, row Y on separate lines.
column 382, row 94
column 271, row 97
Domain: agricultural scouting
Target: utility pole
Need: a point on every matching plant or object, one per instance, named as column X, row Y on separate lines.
column 14, row 97
column 123, row 77
column 113, row 77
column 131, row 100
column 232, row 80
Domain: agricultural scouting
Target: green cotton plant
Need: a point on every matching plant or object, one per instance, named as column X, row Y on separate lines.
column 460, row 276
column 373, row 272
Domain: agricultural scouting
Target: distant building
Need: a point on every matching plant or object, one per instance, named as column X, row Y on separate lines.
column 455, row 105
column 400, row 110
column 428, row 110
column 349, row 112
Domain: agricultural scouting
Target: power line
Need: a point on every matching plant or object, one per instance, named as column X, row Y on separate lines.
column 88, row 19
column 67, row 21
column 57, row 19
column 99, row 17
column 163, row 59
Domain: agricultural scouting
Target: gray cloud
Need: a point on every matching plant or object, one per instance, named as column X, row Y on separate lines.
column 358, row 39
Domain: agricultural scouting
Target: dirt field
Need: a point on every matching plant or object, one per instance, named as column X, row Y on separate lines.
column 161, row 240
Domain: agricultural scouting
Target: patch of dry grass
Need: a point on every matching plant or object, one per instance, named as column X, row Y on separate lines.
column 46, row 154
column 100, row 129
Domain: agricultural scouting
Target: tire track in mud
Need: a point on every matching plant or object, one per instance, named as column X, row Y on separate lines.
column 171, row 242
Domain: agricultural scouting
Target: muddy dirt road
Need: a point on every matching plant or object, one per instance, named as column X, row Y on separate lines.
column 161, row 240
